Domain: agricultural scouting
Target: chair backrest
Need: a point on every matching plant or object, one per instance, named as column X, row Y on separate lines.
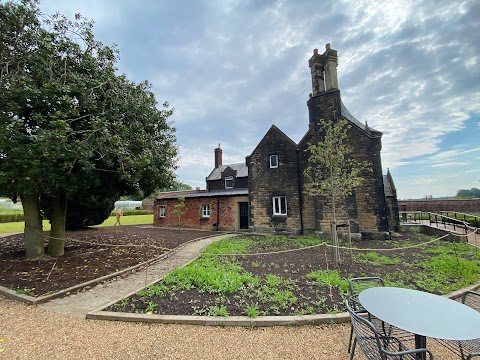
column 472, row 299
column 357, row 285
column 366, row 334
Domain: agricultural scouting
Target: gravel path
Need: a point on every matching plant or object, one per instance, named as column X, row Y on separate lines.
column 31, row 332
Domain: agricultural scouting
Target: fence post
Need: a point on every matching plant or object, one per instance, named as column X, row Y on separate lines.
column 349, row 239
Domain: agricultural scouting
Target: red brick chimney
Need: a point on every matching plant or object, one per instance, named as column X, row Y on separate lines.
column 218, row 157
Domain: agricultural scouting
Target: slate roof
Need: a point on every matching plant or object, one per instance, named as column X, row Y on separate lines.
column 241, row 169
column 387, row 186
column 346, row 114
column 215, row 193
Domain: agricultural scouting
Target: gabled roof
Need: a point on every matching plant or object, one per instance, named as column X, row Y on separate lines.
column 388, row 185
column 276, row 129
column 241, row 169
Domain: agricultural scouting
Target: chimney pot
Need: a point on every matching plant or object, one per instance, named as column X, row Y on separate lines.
column 315, row 51
column 327, row 46
column 218, row 157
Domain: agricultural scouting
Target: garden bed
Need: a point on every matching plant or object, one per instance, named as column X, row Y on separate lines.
column 302, row 282
column 90, row 254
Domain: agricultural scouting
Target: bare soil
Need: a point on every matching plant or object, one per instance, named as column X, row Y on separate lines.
column 96, row 252
column 89, row 254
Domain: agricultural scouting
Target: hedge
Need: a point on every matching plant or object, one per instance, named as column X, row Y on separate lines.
column 4, row 218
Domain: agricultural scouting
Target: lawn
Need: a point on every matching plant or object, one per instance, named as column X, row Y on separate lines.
column 17, row 227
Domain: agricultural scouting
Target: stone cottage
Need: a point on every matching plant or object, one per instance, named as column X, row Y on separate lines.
column 267, row 192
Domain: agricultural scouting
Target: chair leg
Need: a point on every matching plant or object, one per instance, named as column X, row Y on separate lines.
column 353, row 348
column 350, row 341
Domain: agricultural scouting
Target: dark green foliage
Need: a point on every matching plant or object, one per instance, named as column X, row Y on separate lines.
column 4, row 218
column 468, row 194
column 70, row 127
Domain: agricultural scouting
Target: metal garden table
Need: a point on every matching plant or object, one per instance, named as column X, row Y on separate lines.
column 422, row 314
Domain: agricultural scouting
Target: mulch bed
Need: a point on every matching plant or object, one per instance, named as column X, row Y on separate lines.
column 86, row 259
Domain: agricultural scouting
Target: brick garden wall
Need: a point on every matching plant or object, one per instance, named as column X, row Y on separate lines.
column 466, row 205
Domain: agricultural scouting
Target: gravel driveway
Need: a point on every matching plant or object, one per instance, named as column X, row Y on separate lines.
column 30, row 332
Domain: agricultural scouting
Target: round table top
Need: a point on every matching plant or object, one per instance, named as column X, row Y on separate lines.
column 422, row 313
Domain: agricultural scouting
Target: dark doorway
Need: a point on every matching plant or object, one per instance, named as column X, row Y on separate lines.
column 243, row 215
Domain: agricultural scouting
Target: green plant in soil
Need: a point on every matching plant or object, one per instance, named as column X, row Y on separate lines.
column 252, row 311
column 25, row 291
column 376, row 259
column 439, row 268
column 330, row 278
column 217, row 311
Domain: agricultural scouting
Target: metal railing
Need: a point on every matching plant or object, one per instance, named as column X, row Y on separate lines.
column 439, row 220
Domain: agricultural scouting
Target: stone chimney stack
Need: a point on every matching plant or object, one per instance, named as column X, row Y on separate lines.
column 330, row 59
column 316, row 70
column 218, row 157
column 323, row 69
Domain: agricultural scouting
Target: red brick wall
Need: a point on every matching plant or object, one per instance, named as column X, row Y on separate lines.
column 227, row 216
column 466, row 206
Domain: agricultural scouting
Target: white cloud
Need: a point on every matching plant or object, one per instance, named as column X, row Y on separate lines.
column 409, row 68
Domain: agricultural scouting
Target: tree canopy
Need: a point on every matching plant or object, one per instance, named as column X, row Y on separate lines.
column 468, row 194
column 69, row 122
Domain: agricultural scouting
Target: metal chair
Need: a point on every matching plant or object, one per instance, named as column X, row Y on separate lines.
column 375, row 346
column 470, row 348
column 355, row 286
column 467, row 349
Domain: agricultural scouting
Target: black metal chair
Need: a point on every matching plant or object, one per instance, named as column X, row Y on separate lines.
column 467, row 349
column 379, row 347
column 470, row 348
column 355, row 286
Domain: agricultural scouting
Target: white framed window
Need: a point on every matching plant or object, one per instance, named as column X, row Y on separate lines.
column 206, row 211
column 279, row 205
column 228, row 182
column 273, row 161
column 162, row 211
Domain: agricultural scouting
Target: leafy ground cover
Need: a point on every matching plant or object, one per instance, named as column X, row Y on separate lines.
column 300, row 282
column 88, row 255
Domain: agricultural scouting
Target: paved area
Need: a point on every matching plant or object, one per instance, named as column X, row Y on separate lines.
column 81, row 303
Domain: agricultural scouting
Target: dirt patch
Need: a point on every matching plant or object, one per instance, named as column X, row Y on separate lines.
column 86, row 257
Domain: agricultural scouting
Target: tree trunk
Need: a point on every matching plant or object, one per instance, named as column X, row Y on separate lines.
column 33, row 235
column 56, row 241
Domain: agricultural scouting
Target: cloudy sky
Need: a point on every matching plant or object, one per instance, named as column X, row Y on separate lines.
column 232, row 68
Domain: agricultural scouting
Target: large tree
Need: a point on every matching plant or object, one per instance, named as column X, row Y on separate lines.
column 332, row 170
column 69, row 122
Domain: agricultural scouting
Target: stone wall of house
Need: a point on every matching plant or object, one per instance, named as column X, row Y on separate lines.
column 224, row 210
column 464, row 205
column 367, row 209
column 392, row 213
column 266, row 183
